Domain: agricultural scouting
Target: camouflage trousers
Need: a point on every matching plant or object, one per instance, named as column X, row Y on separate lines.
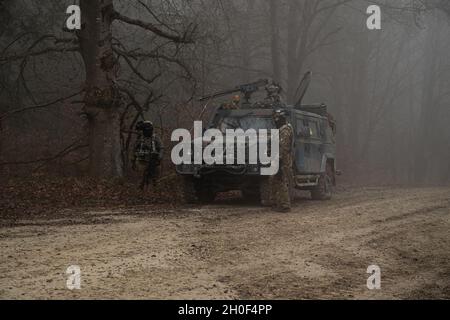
column 150, row 174
column 275, row 190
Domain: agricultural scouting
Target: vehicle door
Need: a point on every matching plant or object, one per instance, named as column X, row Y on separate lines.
column 308, row 146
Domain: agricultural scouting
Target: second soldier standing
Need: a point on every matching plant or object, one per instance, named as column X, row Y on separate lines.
column 280, row 184
column 148, row 153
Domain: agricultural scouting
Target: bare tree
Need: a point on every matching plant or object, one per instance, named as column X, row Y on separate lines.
column 104, row 99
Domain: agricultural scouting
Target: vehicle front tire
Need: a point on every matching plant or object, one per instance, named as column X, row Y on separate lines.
column 189, row 195
column 324, row 191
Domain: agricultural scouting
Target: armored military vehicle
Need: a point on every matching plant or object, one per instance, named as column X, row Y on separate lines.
column 314, row 145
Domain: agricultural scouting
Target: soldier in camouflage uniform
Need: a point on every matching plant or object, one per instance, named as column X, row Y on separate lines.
column 279, row 185
column 273, row 98
column 148, row 153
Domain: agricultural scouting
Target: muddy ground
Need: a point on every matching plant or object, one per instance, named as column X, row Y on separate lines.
column 236, row 250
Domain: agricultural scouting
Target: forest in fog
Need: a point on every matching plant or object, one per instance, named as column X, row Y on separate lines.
column 64, row 114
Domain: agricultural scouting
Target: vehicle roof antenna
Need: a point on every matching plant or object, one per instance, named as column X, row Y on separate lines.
column 302, row 88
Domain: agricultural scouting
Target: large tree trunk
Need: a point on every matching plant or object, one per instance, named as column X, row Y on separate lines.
column 292, row 52
column 297, row 35
column 358, row 137
column 275, row 41
column 102, row 99
column 428, row 109
column 246, row 48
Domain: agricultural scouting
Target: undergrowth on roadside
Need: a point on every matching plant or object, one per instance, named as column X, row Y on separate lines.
column 38, row 194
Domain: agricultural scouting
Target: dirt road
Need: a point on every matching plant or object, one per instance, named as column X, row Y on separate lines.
column 237, row 250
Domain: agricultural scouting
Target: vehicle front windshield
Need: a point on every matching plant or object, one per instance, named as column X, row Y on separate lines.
column 245, row 123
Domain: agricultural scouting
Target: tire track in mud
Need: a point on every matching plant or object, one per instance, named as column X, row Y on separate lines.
column 343, row 265
column 237, row 250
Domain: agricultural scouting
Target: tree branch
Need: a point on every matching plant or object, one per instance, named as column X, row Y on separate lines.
column 148, row 55
column 30, row 53
column 39, row 106
column 71, row 148
column 185, row 38
column 135, row 69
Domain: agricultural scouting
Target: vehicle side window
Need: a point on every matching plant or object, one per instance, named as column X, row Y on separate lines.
column 299, row 127
column 322, row 130
column 314, row 129
column 308, row 128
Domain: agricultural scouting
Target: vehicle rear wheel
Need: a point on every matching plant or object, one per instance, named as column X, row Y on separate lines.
column 324, row 191
column 205, row 195
column 252, row 194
